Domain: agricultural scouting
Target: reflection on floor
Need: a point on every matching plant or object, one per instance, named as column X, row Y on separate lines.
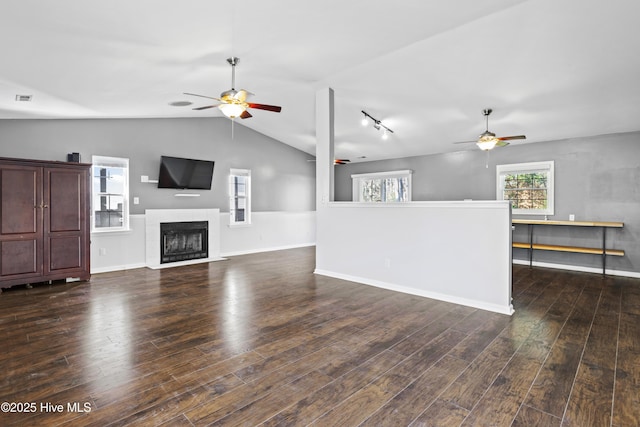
column 261, row 339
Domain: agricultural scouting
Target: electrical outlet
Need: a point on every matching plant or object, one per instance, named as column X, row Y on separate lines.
column 136, row 200
column 103, row 251
column 572, row 217
column 387, row 263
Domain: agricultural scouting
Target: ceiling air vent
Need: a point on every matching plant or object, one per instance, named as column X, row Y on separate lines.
column 180, row 103
column 24, row 98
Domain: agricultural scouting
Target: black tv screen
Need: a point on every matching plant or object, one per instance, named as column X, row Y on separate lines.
column 176, row 172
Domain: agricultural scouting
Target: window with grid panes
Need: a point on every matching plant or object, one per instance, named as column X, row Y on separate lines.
column 240, row 197
column 109, row 194
column 384, row 187
column 528, row 186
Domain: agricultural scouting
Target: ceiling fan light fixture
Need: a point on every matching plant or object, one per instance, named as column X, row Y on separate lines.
column 487, row 141
column 232, row 110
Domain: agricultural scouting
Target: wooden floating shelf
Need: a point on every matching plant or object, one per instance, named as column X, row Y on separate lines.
column 573, row 249
column 609, row 224
column 603, row 251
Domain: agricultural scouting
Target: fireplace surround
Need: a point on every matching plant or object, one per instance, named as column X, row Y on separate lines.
column 179, row 246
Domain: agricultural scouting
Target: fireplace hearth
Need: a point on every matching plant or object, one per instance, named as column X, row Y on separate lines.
column 182, row 241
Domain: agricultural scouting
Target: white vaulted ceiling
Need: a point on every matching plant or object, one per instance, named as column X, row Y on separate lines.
column 550, row 69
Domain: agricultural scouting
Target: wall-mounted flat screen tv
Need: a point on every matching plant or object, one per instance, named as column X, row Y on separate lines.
column 176, row 172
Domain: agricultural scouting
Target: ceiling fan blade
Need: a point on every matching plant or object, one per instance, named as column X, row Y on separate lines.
column 273, row 108
column 501, row 144
column 201, row 96
column 509, row 138
column 465, row 142
column 245, row 115
column 206, row 107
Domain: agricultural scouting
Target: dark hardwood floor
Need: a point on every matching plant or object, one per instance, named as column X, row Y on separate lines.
column 261, row 340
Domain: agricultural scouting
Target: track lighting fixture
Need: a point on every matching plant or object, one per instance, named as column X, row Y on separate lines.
column 377, row 124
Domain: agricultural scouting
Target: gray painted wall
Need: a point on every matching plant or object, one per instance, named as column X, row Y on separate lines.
column 282, row 179
column 596, row 178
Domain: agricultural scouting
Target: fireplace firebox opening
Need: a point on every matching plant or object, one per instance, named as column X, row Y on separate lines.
column 182, row 241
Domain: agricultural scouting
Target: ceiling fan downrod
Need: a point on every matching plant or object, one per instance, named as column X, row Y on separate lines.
column 233, row 61
column 486, row 113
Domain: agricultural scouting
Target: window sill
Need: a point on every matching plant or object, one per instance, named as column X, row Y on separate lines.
column 536, row 213
column 112, row 231
column 243, row 225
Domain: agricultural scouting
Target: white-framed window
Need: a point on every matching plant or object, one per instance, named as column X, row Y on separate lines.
column 385, row 187
column 528, row 186
column 109, row 194
column 240, row 197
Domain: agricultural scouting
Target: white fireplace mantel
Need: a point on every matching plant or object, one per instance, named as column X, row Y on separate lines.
column 153, row 218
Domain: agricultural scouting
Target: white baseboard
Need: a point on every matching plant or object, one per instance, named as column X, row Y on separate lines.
column 271, row 249
column 221, row 258
column 609, row 272
column 421, row 293
column 117, row 268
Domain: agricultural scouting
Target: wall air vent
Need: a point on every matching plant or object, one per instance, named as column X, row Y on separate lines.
column 24, row 98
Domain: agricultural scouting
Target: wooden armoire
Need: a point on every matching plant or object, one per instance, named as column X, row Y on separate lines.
column 44, row 221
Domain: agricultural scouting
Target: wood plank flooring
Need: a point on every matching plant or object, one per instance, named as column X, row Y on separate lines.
column 260, row 340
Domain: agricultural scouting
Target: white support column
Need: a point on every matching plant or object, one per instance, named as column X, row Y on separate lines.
column 324, row 170
column 324, row 147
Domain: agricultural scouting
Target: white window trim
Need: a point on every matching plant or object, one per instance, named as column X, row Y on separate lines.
column 247, row 218
column 546, row 166
column 355, row 179
column 116, row 162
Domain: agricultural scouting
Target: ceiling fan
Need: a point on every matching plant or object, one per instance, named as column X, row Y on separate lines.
column 233, row 103
column 488, row 140
column 335, row 161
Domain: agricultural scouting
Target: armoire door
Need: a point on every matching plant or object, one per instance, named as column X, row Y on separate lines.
column 65, row 220
column 21, row 214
